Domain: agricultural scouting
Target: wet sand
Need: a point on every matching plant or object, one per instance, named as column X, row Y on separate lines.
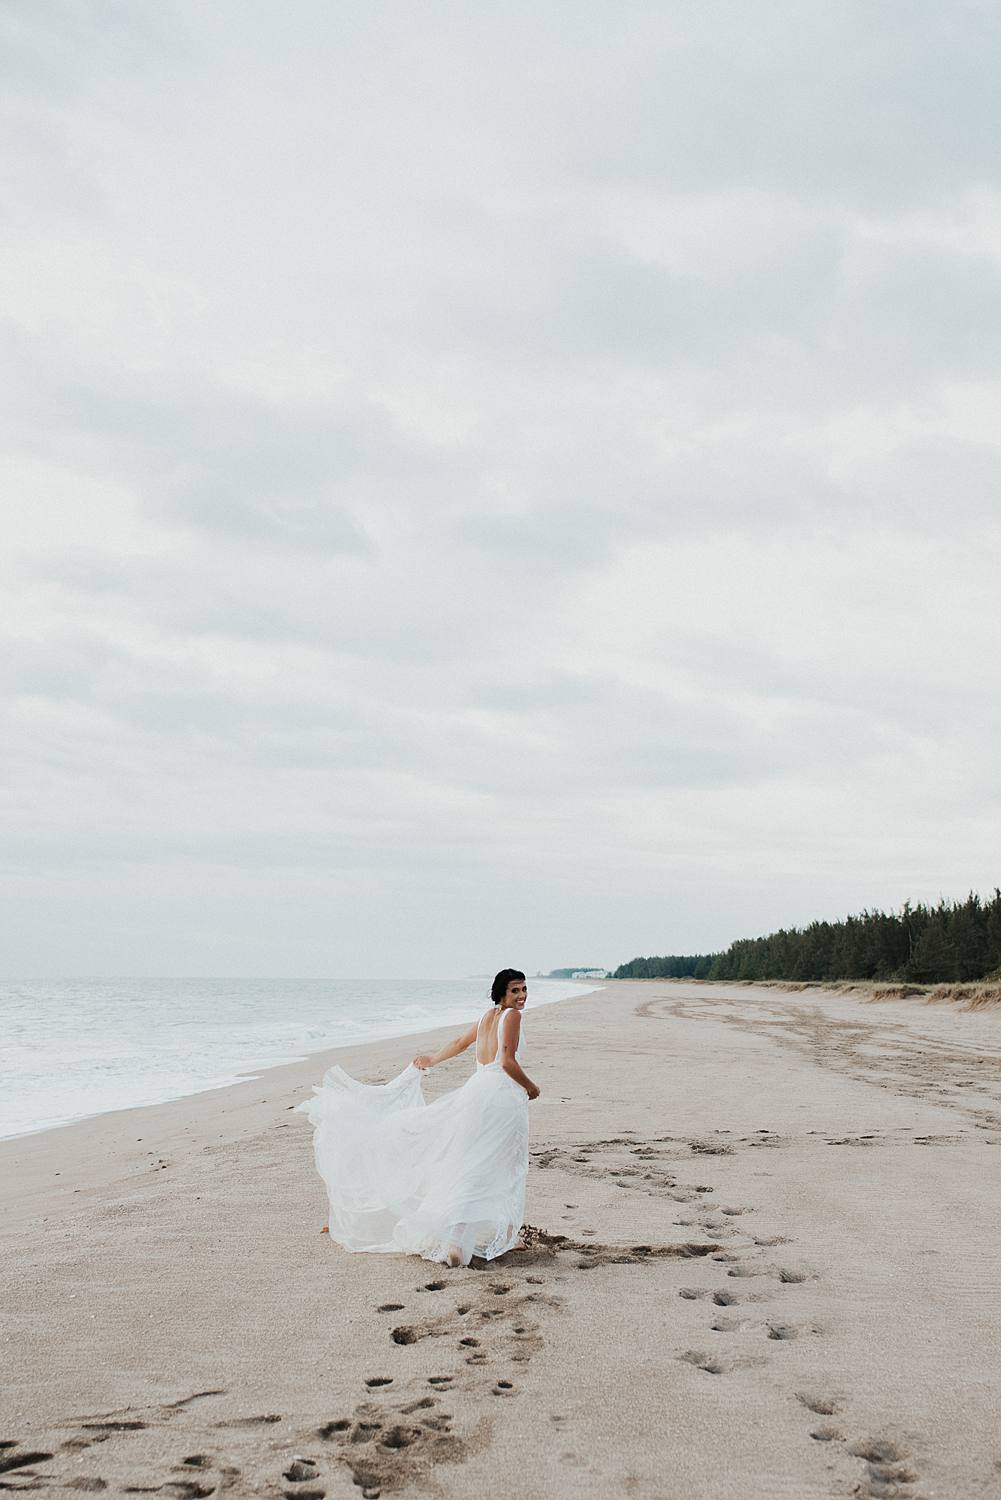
column 767, row 1262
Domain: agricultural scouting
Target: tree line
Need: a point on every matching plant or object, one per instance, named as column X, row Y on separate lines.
column 948, row 943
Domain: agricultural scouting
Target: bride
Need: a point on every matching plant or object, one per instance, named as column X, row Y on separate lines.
column 443, row 1180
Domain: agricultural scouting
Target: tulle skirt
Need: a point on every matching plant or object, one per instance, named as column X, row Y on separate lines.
column 443, row 1180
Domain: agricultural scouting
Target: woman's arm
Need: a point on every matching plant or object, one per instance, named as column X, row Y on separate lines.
column 451, row 1049
column 510, row 1064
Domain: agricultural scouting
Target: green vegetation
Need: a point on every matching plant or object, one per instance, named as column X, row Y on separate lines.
column 948, row 943
column 698, row 966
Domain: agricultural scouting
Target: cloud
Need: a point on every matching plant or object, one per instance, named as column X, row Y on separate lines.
column 518, row 478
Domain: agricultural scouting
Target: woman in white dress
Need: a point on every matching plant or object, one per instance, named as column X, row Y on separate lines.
column 443, row 1180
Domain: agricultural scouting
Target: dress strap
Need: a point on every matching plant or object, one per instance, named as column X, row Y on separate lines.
column 500, row 1031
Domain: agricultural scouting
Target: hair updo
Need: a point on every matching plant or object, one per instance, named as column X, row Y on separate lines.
column 501, row 981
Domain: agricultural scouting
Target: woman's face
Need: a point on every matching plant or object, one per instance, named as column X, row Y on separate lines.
column 516, row 994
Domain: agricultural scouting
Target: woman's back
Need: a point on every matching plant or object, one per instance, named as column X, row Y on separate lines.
column 489, row 1036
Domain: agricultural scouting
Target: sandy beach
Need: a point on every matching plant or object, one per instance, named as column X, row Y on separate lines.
column 767, row 1263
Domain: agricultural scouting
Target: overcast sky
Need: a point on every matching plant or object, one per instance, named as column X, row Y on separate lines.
column 493, row 484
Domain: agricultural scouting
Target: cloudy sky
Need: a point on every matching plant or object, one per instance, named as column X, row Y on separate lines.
column 492, row 484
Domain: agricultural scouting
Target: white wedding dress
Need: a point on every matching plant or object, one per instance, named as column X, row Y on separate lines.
column 443, row 1180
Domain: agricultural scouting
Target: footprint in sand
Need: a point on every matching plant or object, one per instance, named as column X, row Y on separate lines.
column 267, row 1419
column 10, row 1460
column 888, row 1471
column 825, row 1406
column 330, row 1429
column 731, row 1325
column 113, row 1426
column 184, row 1489
column 385, row 1453
column 827, row 1433
column 708, row 1362
column 709, row 1146
column 299, row 1470
column 784, row 1332
column 487, row 1306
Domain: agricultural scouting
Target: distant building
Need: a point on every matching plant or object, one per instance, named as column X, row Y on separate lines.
column 579, row 972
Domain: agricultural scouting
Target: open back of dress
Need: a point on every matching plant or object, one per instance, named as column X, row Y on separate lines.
column 442, row 1180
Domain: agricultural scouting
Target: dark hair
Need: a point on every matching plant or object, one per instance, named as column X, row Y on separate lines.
column 501, row 981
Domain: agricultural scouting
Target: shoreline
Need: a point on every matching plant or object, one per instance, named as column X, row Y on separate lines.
column 258, row 1072
column 763, row 1213
column 106, row 1139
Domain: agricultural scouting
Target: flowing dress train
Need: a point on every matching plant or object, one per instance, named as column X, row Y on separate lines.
column 443, row 1180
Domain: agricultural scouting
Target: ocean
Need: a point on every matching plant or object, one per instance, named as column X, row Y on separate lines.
column 72, row 1048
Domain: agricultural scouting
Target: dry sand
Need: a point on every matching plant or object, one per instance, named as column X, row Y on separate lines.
column 780, row 1277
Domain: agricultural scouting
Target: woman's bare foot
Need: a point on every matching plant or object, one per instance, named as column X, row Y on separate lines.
column 325, row 1229
column 453, row 1258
